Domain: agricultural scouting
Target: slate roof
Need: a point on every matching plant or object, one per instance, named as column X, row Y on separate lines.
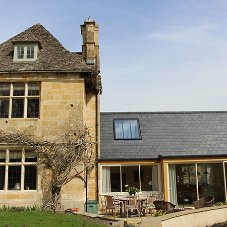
column 170, row 134
column 52, row 57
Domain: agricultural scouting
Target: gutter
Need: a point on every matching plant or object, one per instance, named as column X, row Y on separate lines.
column 192, row 156
column 134, row 159
column 165, row 157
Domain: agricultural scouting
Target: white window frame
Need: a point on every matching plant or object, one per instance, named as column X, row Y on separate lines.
column 22, row 164
column 25, row 45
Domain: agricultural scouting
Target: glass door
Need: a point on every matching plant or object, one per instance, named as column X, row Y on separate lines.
column 225, row 174
column 186, row 184
column 211, row 180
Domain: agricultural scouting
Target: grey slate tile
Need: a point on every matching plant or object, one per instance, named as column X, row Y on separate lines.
column 169, row 134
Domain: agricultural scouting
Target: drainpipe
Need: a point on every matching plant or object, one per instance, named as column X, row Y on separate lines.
column 97, row 139
column 86, row 190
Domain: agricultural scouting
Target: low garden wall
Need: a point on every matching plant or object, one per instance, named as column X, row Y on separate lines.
column 194, row 218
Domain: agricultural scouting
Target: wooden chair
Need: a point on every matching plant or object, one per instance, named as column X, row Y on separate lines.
column 161, row 196
column 132, row 204
column 206, row 201
column 148, row 205
column 117, row 197
column 111, row 205
column 164, row 205
column 103, row 202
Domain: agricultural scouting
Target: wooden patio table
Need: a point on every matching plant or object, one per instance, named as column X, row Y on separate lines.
column 124, row 199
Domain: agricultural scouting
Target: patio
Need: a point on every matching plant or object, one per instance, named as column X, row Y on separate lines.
column 126, row 205
column 196, row 217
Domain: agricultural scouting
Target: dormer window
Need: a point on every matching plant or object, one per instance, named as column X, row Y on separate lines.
column 30, row 52
column 20, row 52
column 24, row 51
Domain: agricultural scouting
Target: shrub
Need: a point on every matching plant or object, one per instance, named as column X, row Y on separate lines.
column 24, row 209
column 220, row 203
column 129, row 224
column 160, row 212
column 4, row 208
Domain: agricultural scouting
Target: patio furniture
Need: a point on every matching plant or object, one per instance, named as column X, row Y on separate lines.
column 158, row 196
column 164, row 205
column 148, row 205
column 110, row 204
column 121, row 200
column 141, row 198
column 132, row 204
column 103, row 202
column 161, row 196
column 206, row 201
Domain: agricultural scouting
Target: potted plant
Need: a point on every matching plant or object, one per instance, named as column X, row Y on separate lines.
column 132, row 190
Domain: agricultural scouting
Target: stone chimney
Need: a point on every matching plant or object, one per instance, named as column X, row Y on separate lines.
column 90, row 48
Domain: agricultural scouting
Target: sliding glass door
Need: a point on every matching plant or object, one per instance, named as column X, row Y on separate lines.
column 118, row 178
column 189, row 182
column 211, row 181
column 186, row 183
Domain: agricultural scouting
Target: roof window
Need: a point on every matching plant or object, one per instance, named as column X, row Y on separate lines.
column 127, row 129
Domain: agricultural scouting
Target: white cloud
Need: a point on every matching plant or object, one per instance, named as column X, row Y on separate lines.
column 182, row 34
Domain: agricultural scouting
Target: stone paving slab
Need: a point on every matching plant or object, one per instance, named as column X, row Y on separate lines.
column 150, row 221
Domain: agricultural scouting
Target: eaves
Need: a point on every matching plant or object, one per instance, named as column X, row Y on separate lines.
column 47, row 71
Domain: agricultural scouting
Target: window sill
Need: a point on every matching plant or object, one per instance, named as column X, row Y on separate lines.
column 128, row 141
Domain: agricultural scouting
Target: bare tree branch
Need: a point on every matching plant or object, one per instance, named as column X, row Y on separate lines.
column 59, row 157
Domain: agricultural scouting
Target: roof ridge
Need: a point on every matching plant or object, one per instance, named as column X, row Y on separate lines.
column 28, row 34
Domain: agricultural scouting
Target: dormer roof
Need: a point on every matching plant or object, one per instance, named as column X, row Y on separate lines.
column 52, row 55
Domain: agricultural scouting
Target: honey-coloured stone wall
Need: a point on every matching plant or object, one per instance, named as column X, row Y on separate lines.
column 64, row 104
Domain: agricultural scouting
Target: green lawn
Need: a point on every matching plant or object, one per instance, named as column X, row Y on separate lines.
column 42, row 219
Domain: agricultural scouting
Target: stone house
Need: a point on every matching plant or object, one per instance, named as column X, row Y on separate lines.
column 47, row 87
column 180, row 154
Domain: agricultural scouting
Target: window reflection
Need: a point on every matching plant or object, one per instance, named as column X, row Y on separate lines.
column 126, row 129
column 4, row 89
column 20, row 52
column 14, row 177
column 30, row 52
column 4, row 108
column 18, row 89
column 32, row 108
column 33, row 89
column 17, row 108
column 120, row 178
column 21, row 94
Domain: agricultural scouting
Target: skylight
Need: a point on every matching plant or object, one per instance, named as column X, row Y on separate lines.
column 127, row 129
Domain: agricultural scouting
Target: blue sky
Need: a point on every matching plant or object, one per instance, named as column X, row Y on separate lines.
column 166, row 55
